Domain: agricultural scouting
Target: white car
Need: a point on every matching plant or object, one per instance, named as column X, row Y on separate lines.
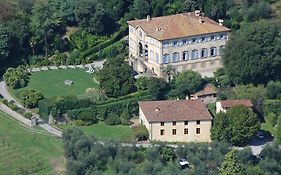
column 183, row 162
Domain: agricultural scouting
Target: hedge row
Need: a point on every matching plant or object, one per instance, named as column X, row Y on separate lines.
column 272, row 106
column 116, row 37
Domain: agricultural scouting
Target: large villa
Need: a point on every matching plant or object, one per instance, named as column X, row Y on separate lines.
column 184, row 41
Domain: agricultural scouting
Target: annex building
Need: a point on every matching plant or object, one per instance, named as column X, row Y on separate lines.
column 184, row 41
column 176, row 120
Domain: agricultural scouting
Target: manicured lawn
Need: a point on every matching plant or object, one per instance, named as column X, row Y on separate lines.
column 23, row 152
column 107, row 132
column 51, row 83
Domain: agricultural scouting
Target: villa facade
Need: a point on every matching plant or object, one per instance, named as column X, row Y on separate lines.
column 184, row 41
column 176, row 120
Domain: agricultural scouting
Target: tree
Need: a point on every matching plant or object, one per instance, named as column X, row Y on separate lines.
column 157, row 87
column 140, row 9
column 188, row 82
column 90, row 15
column 237, row 126
column 30, row 97
column 115, row 78
column 6, row 10
column 273, row 89
column 253, row 54
column 5, row 42
column 230, row 165
column 16, row 77
column 278, row 130
column 169, row 71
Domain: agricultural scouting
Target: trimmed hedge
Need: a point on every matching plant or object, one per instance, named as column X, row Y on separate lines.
column 45, row 106
column 272, row 106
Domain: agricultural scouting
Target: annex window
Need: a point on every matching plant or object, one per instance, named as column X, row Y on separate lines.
column 185, row 122
column 204, row 53
column 162, row 132
column 197, row 130
column 162, row 123
column 174, row 123
column 197, row 122
column 166, row 58
column 185, row 131
column 185, row 55
column 213, row 51
column 174, row 131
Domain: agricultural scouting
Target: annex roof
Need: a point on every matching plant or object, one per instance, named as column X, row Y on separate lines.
column 231, row 103
column 208, row 90
column 178, row 26
column 175, row 110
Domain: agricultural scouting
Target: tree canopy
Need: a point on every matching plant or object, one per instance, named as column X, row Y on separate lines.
column 116, row 77
column 237, row 126
column 253, row 54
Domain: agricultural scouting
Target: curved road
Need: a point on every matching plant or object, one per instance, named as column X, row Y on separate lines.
column 43, row 124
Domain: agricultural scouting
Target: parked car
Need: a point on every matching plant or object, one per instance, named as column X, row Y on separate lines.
column 183, row 163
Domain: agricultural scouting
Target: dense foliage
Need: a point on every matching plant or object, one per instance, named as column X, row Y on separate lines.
column 30, row 97
column 116, row 77
column 16, row 77
column 237, row 126
column 87, row 156
column 253, row 54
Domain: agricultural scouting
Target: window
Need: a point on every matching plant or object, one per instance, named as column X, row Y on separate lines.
column 204, row 53
column 194, row 54
column 185, row 131
column 185, row 55
column 174, row 123
column 197, row 130
column 221, row 50
column 185, row 42
column 140, row 33
column 176, row 57
column 174, row 131
column 162, row 123
column 162, row 132
column 194, row 40
column 213, row 51
column 166, row 58
column 157, row 57
column 197, row 122
column 221, row 36
column 185, row 122
column 204, row 39
column 176, row 43
column 212, row 38
column 166, row 44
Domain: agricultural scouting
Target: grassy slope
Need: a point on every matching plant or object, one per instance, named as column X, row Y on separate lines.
column 51, row 83
column 21, row 150
column 107, row 132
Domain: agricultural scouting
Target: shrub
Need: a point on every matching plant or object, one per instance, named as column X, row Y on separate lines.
column 30, row 97
column 112, row 119
column 16, row 77
column 45, row 106
column 272, row 106
column 5, row 101
column 28, row 115
column 140, row 133
column 21, row 111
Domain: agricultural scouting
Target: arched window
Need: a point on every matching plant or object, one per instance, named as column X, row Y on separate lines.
column 176, row 57
column 221, row 50
column 213, row 51
column 194, row 54
column 204, row 53
column 166, row 58
column 185, row 55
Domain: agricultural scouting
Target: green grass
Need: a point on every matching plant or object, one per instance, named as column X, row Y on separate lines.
column 23, row 152
column 107, row 132
column 51, row 83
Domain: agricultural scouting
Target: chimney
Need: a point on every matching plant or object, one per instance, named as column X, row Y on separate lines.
column 147, row 18
column 157, row 109
column 201, row 20
column 197, row 12
column 220, row 22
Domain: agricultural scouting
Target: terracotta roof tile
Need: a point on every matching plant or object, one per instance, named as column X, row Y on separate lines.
column 175, row 110
column 208, row 89
column 231, row 103
column 177, row 26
